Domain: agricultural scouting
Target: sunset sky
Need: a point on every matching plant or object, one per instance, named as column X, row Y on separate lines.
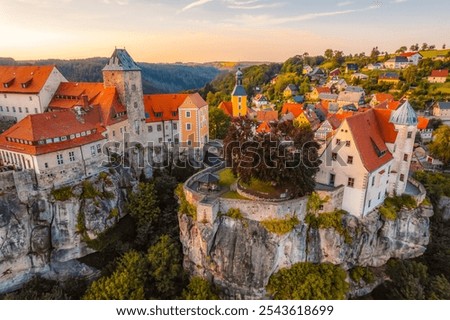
column 211, row 30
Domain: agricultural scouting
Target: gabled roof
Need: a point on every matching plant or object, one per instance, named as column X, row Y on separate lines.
column 409, row 54
column 295, row 108
column 439, row 73
column 194, row 100
column 263, row 128
column 323, row 90
column 382, row 97
column 51, row 125
column 267, row 116
column 354, row 89
column 24, row 79
column 226, row 107
column 389, row 75
column 291, row 87
column 164, row 104
column 369, row 140
column 443, row 105
column 353, row 97
column 121, row 61
column 422, row 123
column 389, row 105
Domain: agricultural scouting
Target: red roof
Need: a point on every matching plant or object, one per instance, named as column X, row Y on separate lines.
column 391, row 105
column 386, row 127
column 263, row 128
column 368, row 138
column 408, row 54
column 423, row 123
column 382, row 97
column 50, row 125
column 439, row 73
column 295, row 108
column 226, row 107
column 263, row 116
column 323, row 90
column 164, row 104
column 24, row 79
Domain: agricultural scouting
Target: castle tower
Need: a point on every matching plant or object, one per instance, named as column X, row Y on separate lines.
column 124, row 74
column 405, row 122
column 239, row 96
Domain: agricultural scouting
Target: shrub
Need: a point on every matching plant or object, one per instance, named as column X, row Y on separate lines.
column 81, row 226
column 392, row 205
column 235, row 214
column 329, row 220
column 364, row 273
column 89, row 191
column 281, row 226
column 62, row 194
column 114, row 213
column 185, row 206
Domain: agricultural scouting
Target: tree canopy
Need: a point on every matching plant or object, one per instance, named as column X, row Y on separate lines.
column 440, row 146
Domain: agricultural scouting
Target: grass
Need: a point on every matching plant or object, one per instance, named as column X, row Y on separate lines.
column 259, row 186
column 281, row 226
column 434, row 53
column 443, row 88
column 89, row 191
column 226, row 178
column 392, row 205
column 235, row 214
column 233, row 195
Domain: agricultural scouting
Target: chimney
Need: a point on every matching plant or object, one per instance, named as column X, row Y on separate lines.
column 85, row 99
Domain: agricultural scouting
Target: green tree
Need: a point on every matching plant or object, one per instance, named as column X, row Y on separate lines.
column 440, row 146
column 328, row 54
column 294, row 64
column 126, row 283
column 401, row 49
column 165, row 269
column 199, row 289
column 219, row 123
column 307, row 281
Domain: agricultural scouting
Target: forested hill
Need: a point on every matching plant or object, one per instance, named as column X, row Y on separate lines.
column 156, row 78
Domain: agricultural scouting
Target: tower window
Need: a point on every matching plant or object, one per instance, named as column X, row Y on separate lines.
column 405, row 157
column 158, row 127
column 334, row 156
column 347, row 143
column 351, row 182
column 188, row 114
column 188, row 126
column 350, row 160
column 409, row 134
column 402, row 177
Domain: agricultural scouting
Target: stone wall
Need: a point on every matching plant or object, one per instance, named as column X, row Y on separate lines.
column 6, row 181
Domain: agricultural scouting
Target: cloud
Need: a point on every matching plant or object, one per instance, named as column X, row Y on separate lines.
column 399, row 1
column 250, row 4
column 194, row 4
column 344, row 3
column 119, row 2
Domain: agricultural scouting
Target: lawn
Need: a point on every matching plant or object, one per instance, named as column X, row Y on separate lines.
column 434, row 53
column 233, row 195
column 259, row 186
column 443, row 88
column 226, row 178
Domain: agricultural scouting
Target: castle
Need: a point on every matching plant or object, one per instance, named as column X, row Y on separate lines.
column 65, row 131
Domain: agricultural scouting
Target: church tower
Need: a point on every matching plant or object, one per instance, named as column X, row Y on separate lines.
column 124, row 74
column 405, row 122
column 239, row 96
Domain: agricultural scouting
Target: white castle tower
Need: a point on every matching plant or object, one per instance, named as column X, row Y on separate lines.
column 405, row 122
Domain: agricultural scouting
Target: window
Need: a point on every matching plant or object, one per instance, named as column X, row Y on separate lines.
column 26, row 110
column 31, row 98
column 334, row 156
column 188, row 126
column 370, row 203
column 189, row 142
column 92, row 150
column 46, row 165
column 240, row 99
column 160, row 140
column 402, row 177
column 177, row 141
column 338, row 141
column 175, row 127
column 158, row 127
column 409, row 134
column 174, row 114
column 405, row 157
column 350, row 160
column 373, row 181
column 188, row 114
column 35, row 110
column 60, row 159
column 347, row 143
column 114, row 133
column 14, row 109
column 379, row 195
column 71, row 156
column 99, row 148
column 150, row 128
column 351, row 182
column 7, row 109
column 158, row 114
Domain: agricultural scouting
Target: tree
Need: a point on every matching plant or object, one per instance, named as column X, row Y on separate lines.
column 424, row 46
column 328, row 54
column 166, row 273
column 401, row 49
column 219, row 123
column 143, row 207
column 440, row 146
column 414, row 47
column 307, row 281
column 126, row 283
column 199, row 289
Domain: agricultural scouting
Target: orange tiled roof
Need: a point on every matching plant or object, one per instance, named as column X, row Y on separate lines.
column 381, row 97
column 226, row 107
column 295, row 108
column 165, row 104
column 51, row 125
column 263, row 116
column 423, row 123
column 323, row 90
column 263, row 128
column 368, row 139
column 24, row 79
column 439, row 73
column 386, row 127
column 408, row 54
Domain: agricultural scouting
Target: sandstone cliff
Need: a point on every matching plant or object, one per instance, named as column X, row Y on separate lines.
column 40, row 235
column 240, row 255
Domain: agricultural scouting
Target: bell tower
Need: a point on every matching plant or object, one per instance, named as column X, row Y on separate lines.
column 124, row 74
column 239, row 96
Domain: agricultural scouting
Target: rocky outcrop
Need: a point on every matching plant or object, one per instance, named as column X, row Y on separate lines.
column 240, row 255
column 42, row 236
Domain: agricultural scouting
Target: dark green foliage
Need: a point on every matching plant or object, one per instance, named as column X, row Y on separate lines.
column 329, row 220
column 62, row 194
column 392, row 205
column 362, row 273
column 199, row 289
column 185, row 206
column 281, row 226
column 307, row 281
column 219, row 123
column 89, row 190
column 440, row 146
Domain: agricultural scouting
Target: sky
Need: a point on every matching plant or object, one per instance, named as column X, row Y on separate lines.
column 216, row 30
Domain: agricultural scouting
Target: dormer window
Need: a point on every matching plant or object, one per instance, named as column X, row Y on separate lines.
column 27, row 83
column 8, row 83
column 158, row 114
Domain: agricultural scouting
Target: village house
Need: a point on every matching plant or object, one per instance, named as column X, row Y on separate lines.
column 398, row 62
column 389, row 77
column 351, row 67
column 375, row 66
column 378, row 98
column 328, row 128
column 425, row 130
column 27, row 90
column 260, row 100
column 413, row 57
column 441, row 109
column 350, row 97
column 290, row 91
column 315, row 93
column 438, row 76
column 359, row 76
column 335, row 73
column 337, row 85
column 370, row 156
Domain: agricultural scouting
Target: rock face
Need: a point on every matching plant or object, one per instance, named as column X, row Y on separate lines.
column 41, row 236
column 240, row 255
